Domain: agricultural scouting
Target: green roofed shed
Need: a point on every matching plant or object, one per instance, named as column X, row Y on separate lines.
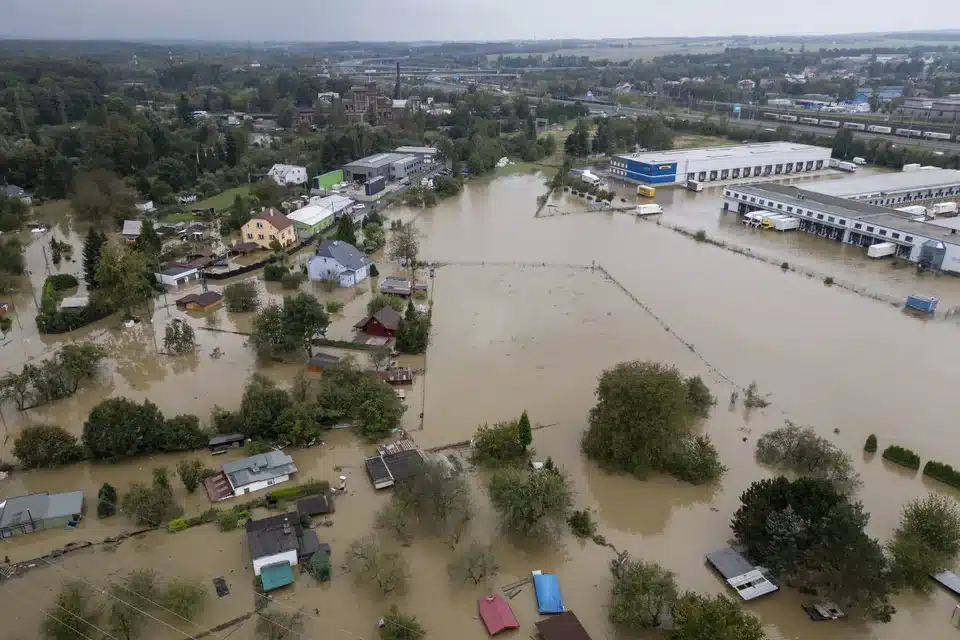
column 278, row 575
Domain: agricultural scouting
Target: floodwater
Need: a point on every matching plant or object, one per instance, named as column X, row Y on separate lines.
column 520, row 324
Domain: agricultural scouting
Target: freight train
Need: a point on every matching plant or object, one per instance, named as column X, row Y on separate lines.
column 857, row 126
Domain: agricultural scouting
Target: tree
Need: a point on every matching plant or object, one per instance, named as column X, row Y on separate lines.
column 843, row 142
column 800, row 450
column 926, row 541
column 474, row 564
column 92, row 246
column 371, row 563
column 100, row 197
column 129, row 600
column 374, row 238
column 699, row 617
column 529, row 501
column 379, row 358
column 180, row 433
column 577, row 143
column 122, row 277
column 261, row 407
column 299, row 425
column 642, row 593
column 812, row 537
column 46, row 446
column 699, row 397
column 405, row 244
column 74, row 616
column 278, row 625
column 241, row 297
column 179, row 337
column 524, row 430
column 184, row 110
column 346, row 231
column 396, row 518
column 118, row 427
column 184, row 598
column 320, row 566
column 153, row 505
column 503, row 442
column 191, row 473
column 413, row 331
column 382, row 300
column 148, row 242
column 643, row 422
column 106, row 501
column 281, row 331
column 436, row 499
column 400, row 626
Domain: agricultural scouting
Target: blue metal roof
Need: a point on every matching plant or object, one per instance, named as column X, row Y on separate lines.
column 547, row 588
column 274, row 576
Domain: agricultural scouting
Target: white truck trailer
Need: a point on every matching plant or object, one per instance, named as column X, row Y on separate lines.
column 881, row 250
column 914, row 209
column 944, row 209
column 647, row 209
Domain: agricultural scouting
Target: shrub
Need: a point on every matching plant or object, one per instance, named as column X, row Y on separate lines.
column 228, row 520
column 870, row 446
column 241, row 297
column 177, row 524
column 800, row 450
column 292, row 280
column 274, row 272
column 503, row 442
column 334, row 306
column 700, row 236
column 699, row 396
column 320, row 566
column 942, row 472
column 785, row 266
column 287, row 493
column 46, row 446
column 582, row 524
column 902, row 456
column 62, row 281
column 106, row 501
column 828, row 281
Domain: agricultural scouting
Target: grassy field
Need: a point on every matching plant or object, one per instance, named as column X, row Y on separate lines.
column 182, row 216
column 222, row 200
column 695, row 142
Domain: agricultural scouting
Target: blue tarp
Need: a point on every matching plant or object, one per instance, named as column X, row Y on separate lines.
column 547, row 588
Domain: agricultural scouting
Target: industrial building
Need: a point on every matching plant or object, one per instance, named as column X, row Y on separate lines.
column 392, row 166
column 894, row 189
column 852, row 222
column 719, row 163
column 427, row 153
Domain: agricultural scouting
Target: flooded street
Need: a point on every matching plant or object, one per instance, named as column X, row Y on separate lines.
column 522, row 322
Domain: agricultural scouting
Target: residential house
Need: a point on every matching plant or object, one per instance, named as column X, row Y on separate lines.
column 319, row 505
column 131, row 230
column 279, row 543
column 259, row 472
column 221, row 442
column 341, row 261
column 145, row 207
column 261, row 139
column 429, row 154
column 200, row 301
column 305, row 116
column 320, row 362
column 288, row 174
column 746, row 84
column 317, row 216
column 175, row 275
column 393, row 463
column 268, row 225
column 747, row 579
column 38, row 511
column 384, row 322
column 563, row 626
column 13, row 191
column 396, row 286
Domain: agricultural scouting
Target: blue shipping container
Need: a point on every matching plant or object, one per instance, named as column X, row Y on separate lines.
column 375, row 185
column 927, row 304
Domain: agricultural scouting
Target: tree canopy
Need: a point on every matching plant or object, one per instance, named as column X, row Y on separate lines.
column 530, row 501
column 926, row 541
column 643, row 421
column 46, row 446
column 800, row 450
column 287, row 330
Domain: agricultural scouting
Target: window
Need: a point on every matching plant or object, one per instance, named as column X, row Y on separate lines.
column 769, row 203
column 726, row 193
column 870, row 229
column 789, row 209
column 857, row 225
column 779, row 206
column 272, row 237
column 713, row 175
column 753, row 199
column 908, row 238
column 260, row 236
column 259, row 225
column 819, row 216
column 249, row 236
column 724, row 174
column 843, row 223
column 883, row 232
column 830, row 219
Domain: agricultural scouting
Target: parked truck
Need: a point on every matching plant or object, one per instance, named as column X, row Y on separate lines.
column 693, row 185
column 846, row 166
column 786, row 223
column 914, row 209
column 944, row 209
column 881, row 250
column 647, row 209
column 859, row 160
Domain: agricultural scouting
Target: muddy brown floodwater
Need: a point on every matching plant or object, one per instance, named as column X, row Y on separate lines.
column 521, row 321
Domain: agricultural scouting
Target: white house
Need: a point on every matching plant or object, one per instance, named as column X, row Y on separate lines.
column 336, row 259
column 280, row 542
column 131, row 230
column 286, row 174
column 145, row 207
column 259, row 472
column 176, row 274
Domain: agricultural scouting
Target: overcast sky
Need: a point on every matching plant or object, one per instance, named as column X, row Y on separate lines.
column 331, row 20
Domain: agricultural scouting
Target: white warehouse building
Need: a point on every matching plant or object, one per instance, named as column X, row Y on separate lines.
column 719, row 163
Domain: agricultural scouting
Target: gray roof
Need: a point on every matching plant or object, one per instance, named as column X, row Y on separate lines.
column 176, row 271
column 132, row 227
column 344, row 253
column 374, row 162
column 263, row 466
column 422, row 150
column 41, row 506
column 888, row 182
column 729, row 563
column 267, row 536
column 14, row 191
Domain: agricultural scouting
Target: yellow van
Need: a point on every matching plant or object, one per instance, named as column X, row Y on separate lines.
column 646, row 192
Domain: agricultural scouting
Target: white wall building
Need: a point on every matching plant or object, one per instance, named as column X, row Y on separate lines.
column 341, row 261
column 288, row 174
column 719, row 163
column 259, row 472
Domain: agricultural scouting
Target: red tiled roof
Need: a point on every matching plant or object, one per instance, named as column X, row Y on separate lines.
column 496, row 614
column 274, row 217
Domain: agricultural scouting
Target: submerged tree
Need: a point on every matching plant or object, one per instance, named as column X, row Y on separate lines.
column 642, row 594
column 529, row 501
column 74, row 616
column 372, row 563
column 926, row 542
column 179, row 337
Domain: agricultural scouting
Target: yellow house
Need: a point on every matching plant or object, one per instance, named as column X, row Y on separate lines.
column 269, row 225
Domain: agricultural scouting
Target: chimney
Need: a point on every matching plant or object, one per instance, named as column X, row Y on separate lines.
column 286, row 525
column 396, row 89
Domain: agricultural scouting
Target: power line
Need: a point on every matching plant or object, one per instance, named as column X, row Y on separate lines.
column 61, row 622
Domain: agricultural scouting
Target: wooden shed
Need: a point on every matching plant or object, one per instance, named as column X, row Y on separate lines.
column 200, row 301
column 383, row 323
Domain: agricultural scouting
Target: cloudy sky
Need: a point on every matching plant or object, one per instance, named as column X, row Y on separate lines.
column 331, row 20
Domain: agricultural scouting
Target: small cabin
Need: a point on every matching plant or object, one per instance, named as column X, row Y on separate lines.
column 225, row 441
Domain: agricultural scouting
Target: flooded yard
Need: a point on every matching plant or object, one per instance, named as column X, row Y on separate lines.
column 527, row 313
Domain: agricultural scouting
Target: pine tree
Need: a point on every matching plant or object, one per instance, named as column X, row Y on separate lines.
column 149, row 242
column 91, row 256
column 526, row 432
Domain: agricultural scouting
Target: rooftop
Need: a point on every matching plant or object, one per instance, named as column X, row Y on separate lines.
column 132, row 227
column 13, row 191
column 335, row 203
column 204, row 299
column 273, row 535
column 564, row 626
column 274, row 217
column 263, row 466
column 388, row 317
column 374, row 162
column 344, row 253
column 422, row 150
column 311, row 214
column 861, row 211
column 40, row 506
column 756, row 150
column 881, row 183
column 323, row 360
column 315, row 505
column 176, row 271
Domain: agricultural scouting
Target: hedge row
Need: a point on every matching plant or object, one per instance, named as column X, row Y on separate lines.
column 870, row 446
column 70, row 319
column 942, row 472
column 51, row 287
column 902, row 456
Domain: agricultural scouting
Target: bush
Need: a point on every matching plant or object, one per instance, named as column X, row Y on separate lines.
column 582, row 524
column 274, row 272
column 106, row 501
column 828, row 281
column 292, row 280
column 902, row 456
column 785, row 266
column 287, row 493
column 46, row 446
column 334, row 306
column 228, row 520
column 320, row 566
column 942, row 472
column 800, row 450
column 870, row 446
column 63, row 281
column 699, row 396
column 54, row 321
column 241, row 297
column 503, row 442
column 700, row 236
column 177, row 524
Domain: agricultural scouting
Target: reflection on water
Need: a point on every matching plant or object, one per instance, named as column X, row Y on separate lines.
column 508, row 339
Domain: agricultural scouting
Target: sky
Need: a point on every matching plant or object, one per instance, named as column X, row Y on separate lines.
column 447, row 20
